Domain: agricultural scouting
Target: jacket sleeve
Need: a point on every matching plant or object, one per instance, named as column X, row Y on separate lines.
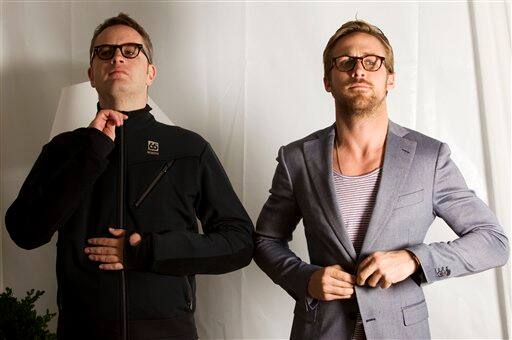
column 65, row 170
column 226, row 244
column 276, row 223
column 481, row 245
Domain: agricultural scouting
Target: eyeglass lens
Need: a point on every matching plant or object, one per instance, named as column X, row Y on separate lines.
column 106, row 52
column 347, row 63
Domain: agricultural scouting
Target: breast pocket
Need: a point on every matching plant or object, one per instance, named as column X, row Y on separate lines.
column 154, row 182
column 410, row 199
column 160, row 195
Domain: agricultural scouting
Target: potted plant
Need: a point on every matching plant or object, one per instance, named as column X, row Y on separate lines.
column 19, row 320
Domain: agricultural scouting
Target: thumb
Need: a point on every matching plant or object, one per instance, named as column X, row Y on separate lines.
column 117, row 232
column 337, row 266
column 135, row 239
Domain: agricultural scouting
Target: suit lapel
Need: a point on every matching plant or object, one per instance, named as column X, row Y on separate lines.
column 318, row 157
column 399, row 153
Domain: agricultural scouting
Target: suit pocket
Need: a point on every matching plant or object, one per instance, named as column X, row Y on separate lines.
column 307, row 315
column 304, row 325
column 410, row 199
column 415, row 313
column 189, row 294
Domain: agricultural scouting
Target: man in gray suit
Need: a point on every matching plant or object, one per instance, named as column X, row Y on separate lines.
column 367, row 191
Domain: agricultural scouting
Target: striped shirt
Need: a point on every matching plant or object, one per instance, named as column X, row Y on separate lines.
column 356, row 197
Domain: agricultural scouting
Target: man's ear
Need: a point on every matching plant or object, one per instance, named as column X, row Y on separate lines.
column 151, row 74
column 327, row 84
column 390, row 82
column 90, row 75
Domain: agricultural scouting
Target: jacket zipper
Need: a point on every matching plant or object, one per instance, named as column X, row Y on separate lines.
column 120, row 221
column 146, row 192
column 190, row 297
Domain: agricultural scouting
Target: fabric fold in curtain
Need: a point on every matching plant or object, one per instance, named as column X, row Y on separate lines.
column 492, row 51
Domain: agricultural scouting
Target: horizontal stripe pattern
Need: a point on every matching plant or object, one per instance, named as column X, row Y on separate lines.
column 356, row 197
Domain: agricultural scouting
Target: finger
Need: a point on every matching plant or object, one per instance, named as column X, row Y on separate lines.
column 135, row 239
column 104, row 258
column 343, row 276
column 331, row 297
column 365, row 272
column 384, row 284
column 339, row 291
column 111, row 266
column 119, row 117
column 345, row 280
column 110, row 117
column 374, row 279
column 101, row 250
column 117, row 232
column 340, row 283
column 104, row 241
column 364, row 264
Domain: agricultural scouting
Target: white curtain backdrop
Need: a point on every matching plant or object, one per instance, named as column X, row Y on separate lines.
column 248, row 77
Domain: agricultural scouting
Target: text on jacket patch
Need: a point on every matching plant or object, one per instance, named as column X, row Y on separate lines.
column 153, row 148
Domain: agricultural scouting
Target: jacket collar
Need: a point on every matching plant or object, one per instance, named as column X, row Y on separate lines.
column 136, row 118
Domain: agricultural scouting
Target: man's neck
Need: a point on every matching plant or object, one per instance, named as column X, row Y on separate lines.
column 362, row 134
column 122, row 103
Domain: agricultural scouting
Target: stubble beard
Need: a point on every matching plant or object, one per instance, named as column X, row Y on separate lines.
column 360, row 105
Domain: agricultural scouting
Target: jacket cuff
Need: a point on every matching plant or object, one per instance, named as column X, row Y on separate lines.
column 139, row 257
column 301, row 286
column 420, row 251
column 99, row 142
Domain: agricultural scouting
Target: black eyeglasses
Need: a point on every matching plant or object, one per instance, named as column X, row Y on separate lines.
column 345, row 63
column 128, row 50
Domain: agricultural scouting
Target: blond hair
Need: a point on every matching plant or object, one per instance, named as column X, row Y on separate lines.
column 358, row 26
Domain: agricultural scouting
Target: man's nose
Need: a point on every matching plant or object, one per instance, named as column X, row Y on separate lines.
column 118, row 57
column 358, row 71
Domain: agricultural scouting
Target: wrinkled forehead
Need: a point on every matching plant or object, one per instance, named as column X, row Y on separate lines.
column 117, row 35
column 358, row 44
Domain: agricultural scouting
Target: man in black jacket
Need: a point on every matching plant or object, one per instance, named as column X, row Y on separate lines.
column 172, row 177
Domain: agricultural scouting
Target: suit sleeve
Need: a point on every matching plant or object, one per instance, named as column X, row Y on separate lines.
column 65, row 170
column 276, row 223
column 226, row 244
column 482, row 243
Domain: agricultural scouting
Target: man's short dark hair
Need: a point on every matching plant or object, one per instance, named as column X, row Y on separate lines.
column 124, row 19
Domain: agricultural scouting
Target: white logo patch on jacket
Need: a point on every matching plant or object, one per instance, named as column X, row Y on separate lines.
column 153, row 148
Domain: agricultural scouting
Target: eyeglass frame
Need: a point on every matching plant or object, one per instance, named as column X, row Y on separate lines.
column 120, row 47
column 333, row 62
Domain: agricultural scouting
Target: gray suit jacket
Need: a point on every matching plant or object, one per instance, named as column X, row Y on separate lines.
column 419, row 182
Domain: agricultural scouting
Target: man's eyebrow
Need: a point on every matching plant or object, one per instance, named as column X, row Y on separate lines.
column 359, row 55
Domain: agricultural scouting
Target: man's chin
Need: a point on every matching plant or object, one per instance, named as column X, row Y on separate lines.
column 114, row 91
column 358, row 106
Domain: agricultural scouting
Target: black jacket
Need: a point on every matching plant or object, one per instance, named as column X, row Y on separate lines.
column 172, row 176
